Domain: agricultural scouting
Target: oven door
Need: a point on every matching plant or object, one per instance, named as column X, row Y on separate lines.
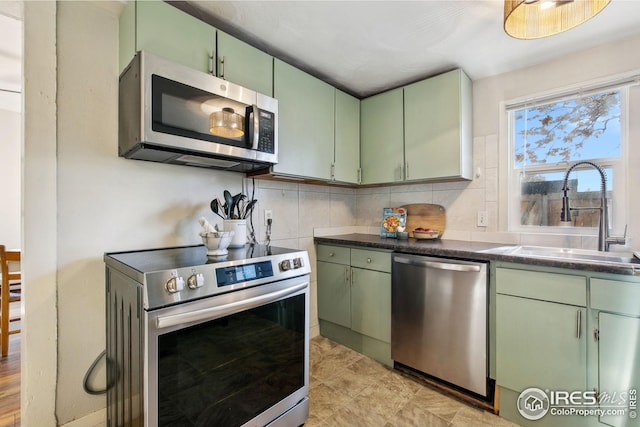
column 235, row 359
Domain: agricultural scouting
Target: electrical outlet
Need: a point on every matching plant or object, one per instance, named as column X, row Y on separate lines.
column 268, row 215
column 483, row 220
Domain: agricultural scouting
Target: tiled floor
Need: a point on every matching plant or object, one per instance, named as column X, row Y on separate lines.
column 351, row 390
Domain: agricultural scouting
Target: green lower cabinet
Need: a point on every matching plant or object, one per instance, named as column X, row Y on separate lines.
column 543, row 345
column 619, row 366
column 540, row 344
column 371, row 303
column 615, row 302
column 568, row 332
column 334, row 293
column 354, row 304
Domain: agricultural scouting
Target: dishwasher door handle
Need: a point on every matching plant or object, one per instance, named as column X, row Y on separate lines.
column 439, row 265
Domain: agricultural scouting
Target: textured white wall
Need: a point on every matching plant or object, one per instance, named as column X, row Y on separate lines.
column 10, row 176
column 39, row 262
column 10, row 121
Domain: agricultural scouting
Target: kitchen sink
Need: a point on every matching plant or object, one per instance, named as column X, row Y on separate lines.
column 569, row 254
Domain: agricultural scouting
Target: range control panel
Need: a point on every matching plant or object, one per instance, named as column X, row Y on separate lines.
column 167, row 287
column 291, row 264
column 242, row 273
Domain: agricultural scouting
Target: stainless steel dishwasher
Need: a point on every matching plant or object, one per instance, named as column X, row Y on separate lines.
column 439, row 318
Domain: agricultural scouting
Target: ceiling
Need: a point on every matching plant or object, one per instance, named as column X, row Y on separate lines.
column 366, row 47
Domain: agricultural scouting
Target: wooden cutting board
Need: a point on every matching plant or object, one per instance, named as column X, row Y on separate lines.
column 425, row 215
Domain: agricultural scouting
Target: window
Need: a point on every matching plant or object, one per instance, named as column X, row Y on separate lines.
column 546, row 137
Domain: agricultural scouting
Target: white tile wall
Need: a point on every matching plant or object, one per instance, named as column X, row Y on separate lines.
column 300, row 210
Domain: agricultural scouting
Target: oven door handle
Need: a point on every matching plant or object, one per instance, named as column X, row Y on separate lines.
column 226, row 309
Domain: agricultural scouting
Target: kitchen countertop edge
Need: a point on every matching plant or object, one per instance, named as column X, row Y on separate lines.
column 468, row 250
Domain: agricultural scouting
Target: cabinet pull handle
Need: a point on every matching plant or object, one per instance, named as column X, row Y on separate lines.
column 406, row 170
column 331, row 254
column 212, row 71
column 353, row 276
column 346, row 275
column 368, row 260
column 222, row 67
column 578, row 324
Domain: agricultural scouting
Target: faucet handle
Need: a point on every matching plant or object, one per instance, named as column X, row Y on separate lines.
column 617, row 240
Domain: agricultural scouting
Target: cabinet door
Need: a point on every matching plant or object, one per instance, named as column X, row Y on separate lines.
column 371, row 303
column 167, row 31
column 438, row 134
column 540, row 344
column 245, row 65
column 347, row 138
column 381, row 129
column 127, row 35
column 305, row 125
column 619, row 359
column 334, row 293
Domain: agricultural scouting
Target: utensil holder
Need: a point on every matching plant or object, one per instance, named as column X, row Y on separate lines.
column 239, row 226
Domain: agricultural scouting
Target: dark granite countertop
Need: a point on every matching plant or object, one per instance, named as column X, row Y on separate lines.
column 472, row 250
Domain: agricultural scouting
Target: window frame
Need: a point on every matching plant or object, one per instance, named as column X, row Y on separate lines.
column 618, row 205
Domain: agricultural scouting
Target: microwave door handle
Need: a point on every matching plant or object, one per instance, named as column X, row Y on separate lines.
column 256, row 127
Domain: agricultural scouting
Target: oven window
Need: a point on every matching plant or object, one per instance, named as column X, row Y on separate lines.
column 227, row 371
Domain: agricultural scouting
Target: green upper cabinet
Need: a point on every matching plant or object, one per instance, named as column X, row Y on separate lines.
column 243, row 64
column 347, row 138
column 166, row 31
column 438, row 140
column 305, row 123
column 381, row 146
column 127, row 37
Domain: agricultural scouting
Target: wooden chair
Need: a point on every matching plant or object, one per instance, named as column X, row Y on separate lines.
column 11, row 292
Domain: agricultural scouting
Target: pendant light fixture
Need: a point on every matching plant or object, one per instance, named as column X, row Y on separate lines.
column 226, row 123
column 534, row 19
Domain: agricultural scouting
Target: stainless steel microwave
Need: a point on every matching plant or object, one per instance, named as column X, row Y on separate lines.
column 170, row 113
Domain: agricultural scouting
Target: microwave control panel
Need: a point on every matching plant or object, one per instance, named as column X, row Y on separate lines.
column 266, row 135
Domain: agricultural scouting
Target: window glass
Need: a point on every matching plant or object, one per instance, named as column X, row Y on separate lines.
column 585, row 128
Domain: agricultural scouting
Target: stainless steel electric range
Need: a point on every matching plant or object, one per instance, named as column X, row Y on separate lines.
column 196, row 341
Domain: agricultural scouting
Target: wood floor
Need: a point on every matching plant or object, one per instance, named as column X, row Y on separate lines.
column 10, row 384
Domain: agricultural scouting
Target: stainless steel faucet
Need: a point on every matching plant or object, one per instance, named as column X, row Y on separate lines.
column 604, row 240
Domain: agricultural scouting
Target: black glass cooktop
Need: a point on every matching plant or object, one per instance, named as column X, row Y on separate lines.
column 150, row 260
